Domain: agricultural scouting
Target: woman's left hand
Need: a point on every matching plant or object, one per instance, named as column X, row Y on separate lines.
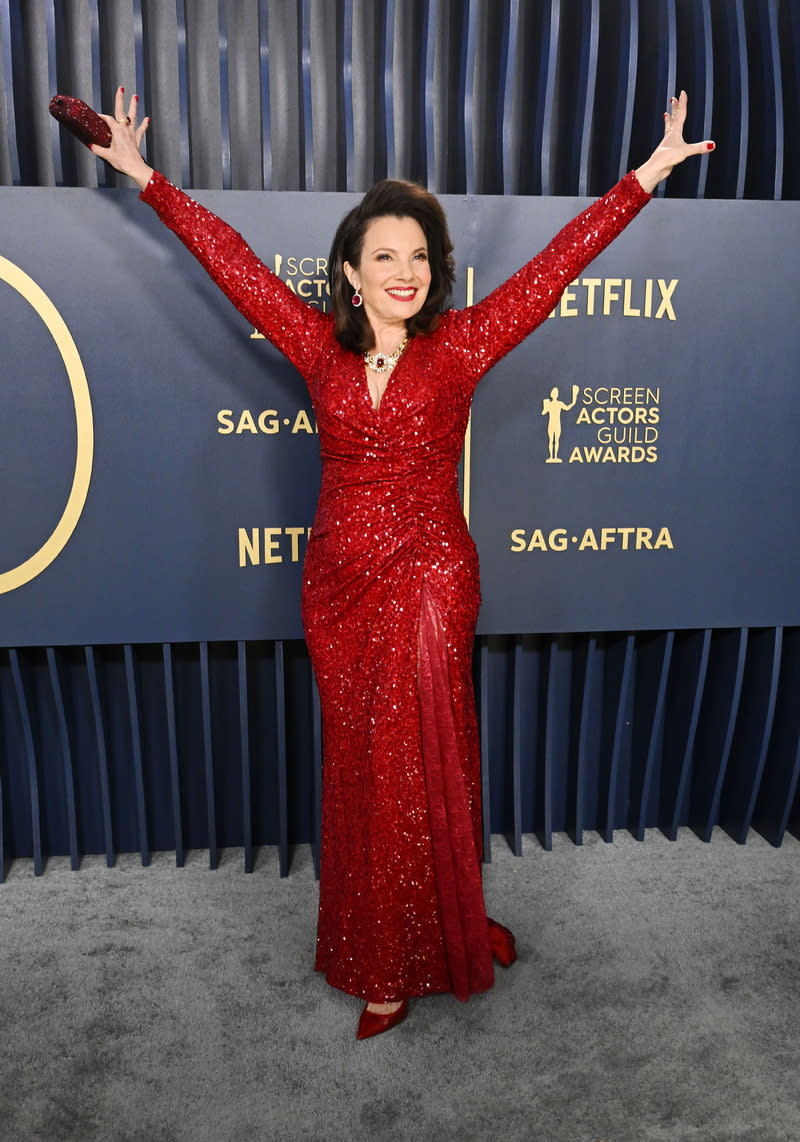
column 672, row 149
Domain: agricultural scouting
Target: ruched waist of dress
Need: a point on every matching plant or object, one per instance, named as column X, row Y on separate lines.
column 366, row 457
column 387, row 506
column 398, row 475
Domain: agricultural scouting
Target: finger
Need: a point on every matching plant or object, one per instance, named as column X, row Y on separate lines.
column 141, row 131
column 679, row 107
column 133, row 108
column 673, row 119
column 119, row 104
column 702, row 148
column 687, row 150
column 113, row 127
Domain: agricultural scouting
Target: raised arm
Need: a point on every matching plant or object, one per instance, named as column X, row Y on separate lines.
column 494, row 326
column 487, row 331
column 293, row 326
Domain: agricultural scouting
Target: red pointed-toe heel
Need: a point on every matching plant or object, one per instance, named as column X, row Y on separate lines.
column 502, row 943
column 371, row 1023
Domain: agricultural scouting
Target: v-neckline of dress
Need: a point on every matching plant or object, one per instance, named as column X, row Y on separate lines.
column 377, row 408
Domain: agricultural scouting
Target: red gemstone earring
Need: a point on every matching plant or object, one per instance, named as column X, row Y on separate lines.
column 356, row 299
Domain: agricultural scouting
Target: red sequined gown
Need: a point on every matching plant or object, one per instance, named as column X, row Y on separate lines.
column 390, row 600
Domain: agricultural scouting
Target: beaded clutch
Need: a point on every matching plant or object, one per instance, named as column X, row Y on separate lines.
column 78, row 118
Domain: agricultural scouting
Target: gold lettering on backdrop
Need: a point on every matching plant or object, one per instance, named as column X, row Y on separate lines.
column 268, row 421
column 249, row 546
column 648, row 297
column 666, row 295
column 622, row 423
column 556, row 540
column 27, row 288
column 261, row 546
column 246, row 423
column 610, row 293
column 294, row 534
column 272, row 544
column 631, row 297
column 588, row 540
column 567, row 307
column 628, row 538
column 627, row 308
column 302, row 424
column 591, row 285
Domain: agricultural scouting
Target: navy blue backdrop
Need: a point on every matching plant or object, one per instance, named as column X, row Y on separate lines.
column 631, row 466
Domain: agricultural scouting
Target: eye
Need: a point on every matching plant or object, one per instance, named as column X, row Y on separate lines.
column 383, row 257
column 422, row 256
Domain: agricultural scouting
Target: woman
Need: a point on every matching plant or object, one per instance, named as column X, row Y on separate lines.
column 391, row 590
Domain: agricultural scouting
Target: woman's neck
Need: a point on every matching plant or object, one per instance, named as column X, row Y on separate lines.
column 387, row 336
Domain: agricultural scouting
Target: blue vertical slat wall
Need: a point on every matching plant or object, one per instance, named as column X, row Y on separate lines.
column 66, row 754
column 9, row 156
column 244, row 741
column 607, row 733
column 102, row 754
column 172, row 752
column 109, row 749
column 30, row 762
column 208, row 755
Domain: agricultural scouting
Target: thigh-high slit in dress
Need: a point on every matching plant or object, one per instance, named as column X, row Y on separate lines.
column 390, row 601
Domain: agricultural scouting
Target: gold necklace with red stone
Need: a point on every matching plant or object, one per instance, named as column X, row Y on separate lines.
column 382, row 362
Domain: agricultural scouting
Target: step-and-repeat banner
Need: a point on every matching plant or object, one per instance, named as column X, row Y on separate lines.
column 632, row 465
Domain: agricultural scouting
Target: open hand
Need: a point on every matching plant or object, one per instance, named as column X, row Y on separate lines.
column 672, row 149
column 123, row 153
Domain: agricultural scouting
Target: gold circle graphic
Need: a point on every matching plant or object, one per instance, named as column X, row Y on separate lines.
column 54, row 545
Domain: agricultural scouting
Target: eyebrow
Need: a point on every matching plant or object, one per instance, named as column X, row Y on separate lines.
column 392, row 250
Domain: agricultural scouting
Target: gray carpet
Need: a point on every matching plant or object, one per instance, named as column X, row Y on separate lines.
column 657, row 999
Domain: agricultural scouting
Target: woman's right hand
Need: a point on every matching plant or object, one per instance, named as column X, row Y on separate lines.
column 123, row 154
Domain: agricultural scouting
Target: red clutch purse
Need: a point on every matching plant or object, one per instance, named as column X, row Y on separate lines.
column 80, row 120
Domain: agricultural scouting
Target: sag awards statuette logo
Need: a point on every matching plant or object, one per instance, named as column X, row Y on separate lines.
column 27, row 288
column 552, row 409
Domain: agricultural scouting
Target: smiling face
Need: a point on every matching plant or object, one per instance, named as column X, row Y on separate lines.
column 394, row 275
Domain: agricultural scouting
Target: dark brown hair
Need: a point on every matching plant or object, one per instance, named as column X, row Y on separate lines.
column 397, row 199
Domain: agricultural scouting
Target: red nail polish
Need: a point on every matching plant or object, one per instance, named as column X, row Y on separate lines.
column 122, row 89
column 710, row 146
column 136, row 99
